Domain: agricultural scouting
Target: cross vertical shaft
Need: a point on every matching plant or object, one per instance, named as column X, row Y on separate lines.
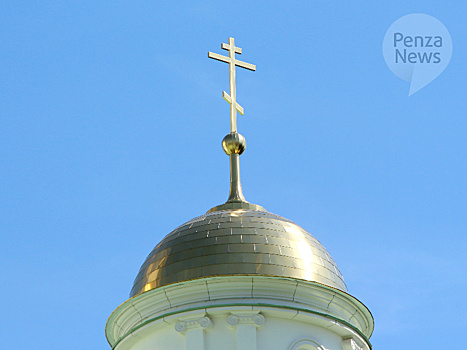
column 233, row 87
column 233, row 62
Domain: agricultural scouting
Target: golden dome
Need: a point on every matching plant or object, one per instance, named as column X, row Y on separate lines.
column 237, row 238
column 237, row 242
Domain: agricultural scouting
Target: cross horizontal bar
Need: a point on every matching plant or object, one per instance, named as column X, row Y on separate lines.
column 218, row 57
column 227, row 47
column 225, row 59
column 245, row 65
column 227, row 97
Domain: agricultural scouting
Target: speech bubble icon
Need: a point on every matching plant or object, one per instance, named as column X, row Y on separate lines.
column 417, row 48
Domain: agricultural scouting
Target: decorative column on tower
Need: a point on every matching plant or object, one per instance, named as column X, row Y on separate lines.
column 239, row 278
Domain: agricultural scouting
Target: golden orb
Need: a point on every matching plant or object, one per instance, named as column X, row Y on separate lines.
column 234, row 143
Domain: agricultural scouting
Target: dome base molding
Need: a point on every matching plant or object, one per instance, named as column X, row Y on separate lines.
column 283, row 300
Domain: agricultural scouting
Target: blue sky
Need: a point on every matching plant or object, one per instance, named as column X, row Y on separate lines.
column 111, row 119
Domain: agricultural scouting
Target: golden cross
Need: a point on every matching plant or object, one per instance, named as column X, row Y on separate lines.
column 232, row 61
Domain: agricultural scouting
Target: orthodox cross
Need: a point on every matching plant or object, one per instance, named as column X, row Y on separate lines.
column 232, row 61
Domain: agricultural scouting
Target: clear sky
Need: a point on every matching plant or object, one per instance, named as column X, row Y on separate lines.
column 111, row 119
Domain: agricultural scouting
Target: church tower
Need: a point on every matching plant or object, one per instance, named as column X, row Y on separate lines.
column 239, row 278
